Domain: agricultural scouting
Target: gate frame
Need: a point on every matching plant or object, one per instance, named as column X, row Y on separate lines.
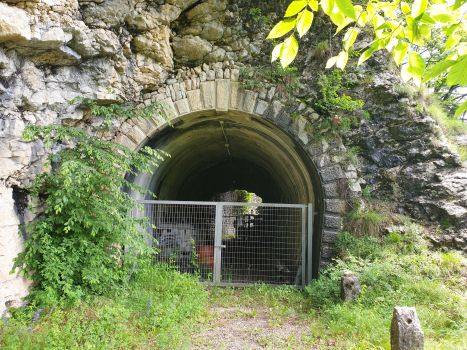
column 307, row 237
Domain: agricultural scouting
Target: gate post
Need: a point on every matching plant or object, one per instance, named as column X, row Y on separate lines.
column 310, row 243
column 217, row 244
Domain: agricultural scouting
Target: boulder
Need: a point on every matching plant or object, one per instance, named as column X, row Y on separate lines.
column 155, row 44
column 14, row 24
column 350, row 286
column 191, row 48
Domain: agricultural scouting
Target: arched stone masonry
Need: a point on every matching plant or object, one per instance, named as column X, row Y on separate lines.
column 220, row 92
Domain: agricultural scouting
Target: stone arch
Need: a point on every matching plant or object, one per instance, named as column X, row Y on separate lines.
column 187, row 102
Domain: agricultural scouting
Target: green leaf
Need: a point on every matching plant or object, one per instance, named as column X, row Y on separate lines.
column 327, row 6
column 349, row 38
column 405, row 7
column 400, row 51
column 440, row 13
column 313, row 5
column 282, row 28
column 427, row 19
column 276, row 53
column 289, row 51
column 342, row 59
column 338, row 18
column 458, row 72
column 416, row 64
column 347, row 8
column 462, row 108
column 295, row 7
column 458, row 4
column 452, row 41
column 449, row 31
column 437, row 69
column 366, row 55
column 304, row 22
column 418, row 8
column 331, row 62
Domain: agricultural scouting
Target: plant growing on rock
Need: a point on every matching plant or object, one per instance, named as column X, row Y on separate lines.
column 86, row 242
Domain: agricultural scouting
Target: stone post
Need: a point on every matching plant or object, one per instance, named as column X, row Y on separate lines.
column 350, row 286
column 406, row 332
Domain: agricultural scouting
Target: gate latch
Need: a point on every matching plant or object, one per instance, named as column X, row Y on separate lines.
column 220, row 246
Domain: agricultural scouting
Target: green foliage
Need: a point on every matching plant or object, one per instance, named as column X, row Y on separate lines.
column 157, row 309
column 259, row 18
column 334, row 105
column 86, row 243
column 392, row 274
column 397, row 26
column 286, row 79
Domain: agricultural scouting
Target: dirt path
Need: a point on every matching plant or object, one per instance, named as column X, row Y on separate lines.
column 256, row 328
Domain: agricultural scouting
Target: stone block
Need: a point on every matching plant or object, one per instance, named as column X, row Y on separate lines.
column 406, row 331
column 249, row 101
column 136, row 134
column 124, row 140
column 234, row 74
column 146, row 125
column 350, row 286
column 298, row 126
column 274, row 111
column 194, row 98
column 331, row 173
column 330, row 190
column 284, row 120
column 236, row 95
column 335, row 206
column 327, row 252
column 168, row 108
column 333, row 221
column 318, row 147
column 271, row 93
column 182, row 106
column 322, row 160
column 223, row 95
column 329, row 236
column 261, row 107
column 208, row 94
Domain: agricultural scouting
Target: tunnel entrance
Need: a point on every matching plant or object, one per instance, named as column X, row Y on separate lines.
column 214, row 154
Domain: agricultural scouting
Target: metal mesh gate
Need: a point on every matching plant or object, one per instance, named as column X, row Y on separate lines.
column 232, row 243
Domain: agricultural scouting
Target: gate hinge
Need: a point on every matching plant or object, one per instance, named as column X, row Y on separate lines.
column 220, row 246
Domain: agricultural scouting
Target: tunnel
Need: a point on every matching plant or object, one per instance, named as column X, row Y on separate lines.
column 213, row 154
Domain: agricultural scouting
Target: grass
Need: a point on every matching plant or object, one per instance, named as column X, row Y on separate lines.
column 164, row 309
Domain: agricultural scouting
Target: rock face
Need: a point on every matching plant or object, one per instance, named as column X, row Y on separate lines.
column 55, row 50
column 406, row 332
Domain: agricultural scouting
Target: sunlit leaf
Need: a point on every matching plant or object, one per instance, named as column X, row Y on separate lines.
column 362, row 19
column 313, row 5
column 338, row 18
column 450, row 30
column 440, row 13
column 282, row 28
column 405, row 75
column 452, row 41
column 458, row 72
column 304, row 22
column 458, row 4
column 331, row 62
column 462, row 108
column 400, row 51
column 347, row 8
column 289, row 51
column 276, row 53
column 327, row 6
column 427, row 19
column 349, row 38
column 405, row 7
column 347, row 21
column 295, row 7
column 425, row 31
column 437, row 69
column 342, row 59
column 366, row 55
column 418, row 8
column 416, row 64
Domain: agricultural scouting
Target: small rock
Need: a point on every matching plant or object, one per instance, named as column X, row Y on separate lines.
column 406, row 332
column 350, row 286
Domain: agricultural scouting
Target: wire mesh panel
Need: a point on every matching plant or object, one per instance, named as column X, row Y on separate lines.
column 184, row 234
column 262, row 244
column 230, row 243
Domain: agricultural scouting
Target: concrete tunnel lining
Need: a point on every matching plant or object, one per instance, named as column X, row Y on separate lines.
column 265, row 160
